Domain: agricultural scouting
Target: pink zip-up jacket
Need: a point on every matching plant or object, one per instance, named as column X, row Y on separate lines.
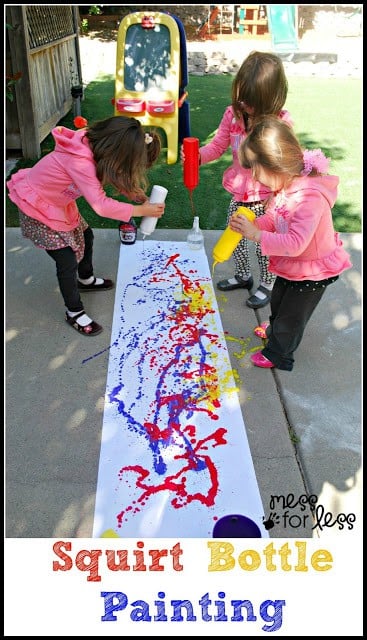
column 297, row 231
column 47, row 192
column 237, row 180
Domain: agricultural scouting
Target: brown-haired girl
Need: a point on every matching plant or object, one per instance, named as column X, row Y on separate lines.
column 259, row 87
column 115, row 151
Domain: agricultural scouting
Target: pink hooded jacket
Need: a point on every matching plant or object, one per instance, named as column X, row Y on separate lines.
column 298, row 233
column 47, row 191
column 237, row 180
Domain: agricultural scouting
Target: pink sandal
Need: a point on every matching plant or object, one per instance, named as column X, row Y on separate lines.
column 260, row 361
column 260, row 331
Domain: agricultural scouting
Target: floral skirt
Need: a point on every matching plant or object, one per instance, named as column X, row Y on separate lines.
column 45, row 238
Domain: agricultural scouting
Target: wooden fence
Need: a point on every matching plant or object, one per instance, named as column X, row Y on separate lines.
column 42, row 47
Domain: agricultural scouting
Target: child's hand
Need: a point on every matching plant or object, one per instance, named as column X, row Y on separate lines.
column 149, row 209
column 182, row 155
column 240, row 224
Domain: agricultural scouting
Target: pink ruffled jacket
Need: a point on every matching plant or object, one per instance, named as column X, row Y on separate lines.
column 237, row 180
column 47, row 192
column 298, row 233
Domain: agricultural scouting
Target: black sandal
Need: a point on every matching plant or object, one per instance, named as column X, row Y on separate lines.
column 257, row 303
column 104, row 286
column 91, row 329
column 235, row 283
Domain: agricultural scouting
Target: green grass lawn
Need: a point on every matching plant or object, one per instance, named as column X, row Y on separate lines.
column 327, row 114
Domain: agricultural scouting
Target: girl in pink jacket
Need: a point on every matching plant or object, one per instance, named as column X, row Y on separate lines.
column 115, row 151
column 296, row 231
column 260, row 87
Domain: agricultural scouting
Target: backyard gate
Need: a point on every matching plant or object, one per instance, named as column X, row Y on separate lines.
column 42, row 49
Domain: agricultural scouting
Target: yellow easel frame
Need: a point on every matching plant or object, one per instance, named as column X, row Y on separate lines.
column 170, row 95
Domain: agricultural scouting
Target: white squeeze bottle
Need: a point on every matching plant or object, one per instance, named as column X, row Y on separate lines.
column 195, row 238
column 149, row 223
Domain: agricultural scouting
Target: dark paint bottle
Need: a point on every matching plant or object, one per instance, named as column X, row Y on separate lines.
column 128, row 232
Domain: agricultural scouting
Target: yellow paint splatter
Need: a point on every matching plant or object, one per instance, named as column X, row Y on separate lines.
column 109, row 533
column 243, row 342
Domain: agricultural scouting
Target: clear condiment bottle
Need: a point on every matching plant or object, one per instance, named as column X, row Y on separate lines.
column 195, row 238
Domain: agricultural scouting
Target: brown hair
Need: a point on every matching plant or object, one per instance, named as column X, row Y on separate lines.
column 121, row 152
column 273, row 145
column 261, row 84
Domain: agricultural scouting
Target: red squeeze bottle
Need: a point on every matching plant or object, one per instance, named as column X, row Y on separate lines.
column 191, row 163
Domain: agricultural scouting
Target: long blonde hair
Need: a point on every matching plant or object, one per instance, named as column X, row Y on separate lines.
column 272, row 145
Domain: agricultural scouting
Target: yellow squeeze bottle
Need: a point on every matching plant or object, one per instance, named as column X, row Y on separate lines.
column 230, row 239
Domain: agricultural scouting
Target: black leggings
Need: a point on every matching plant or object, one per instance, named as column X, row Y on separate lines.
column 67, row 271
column 292, row 304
